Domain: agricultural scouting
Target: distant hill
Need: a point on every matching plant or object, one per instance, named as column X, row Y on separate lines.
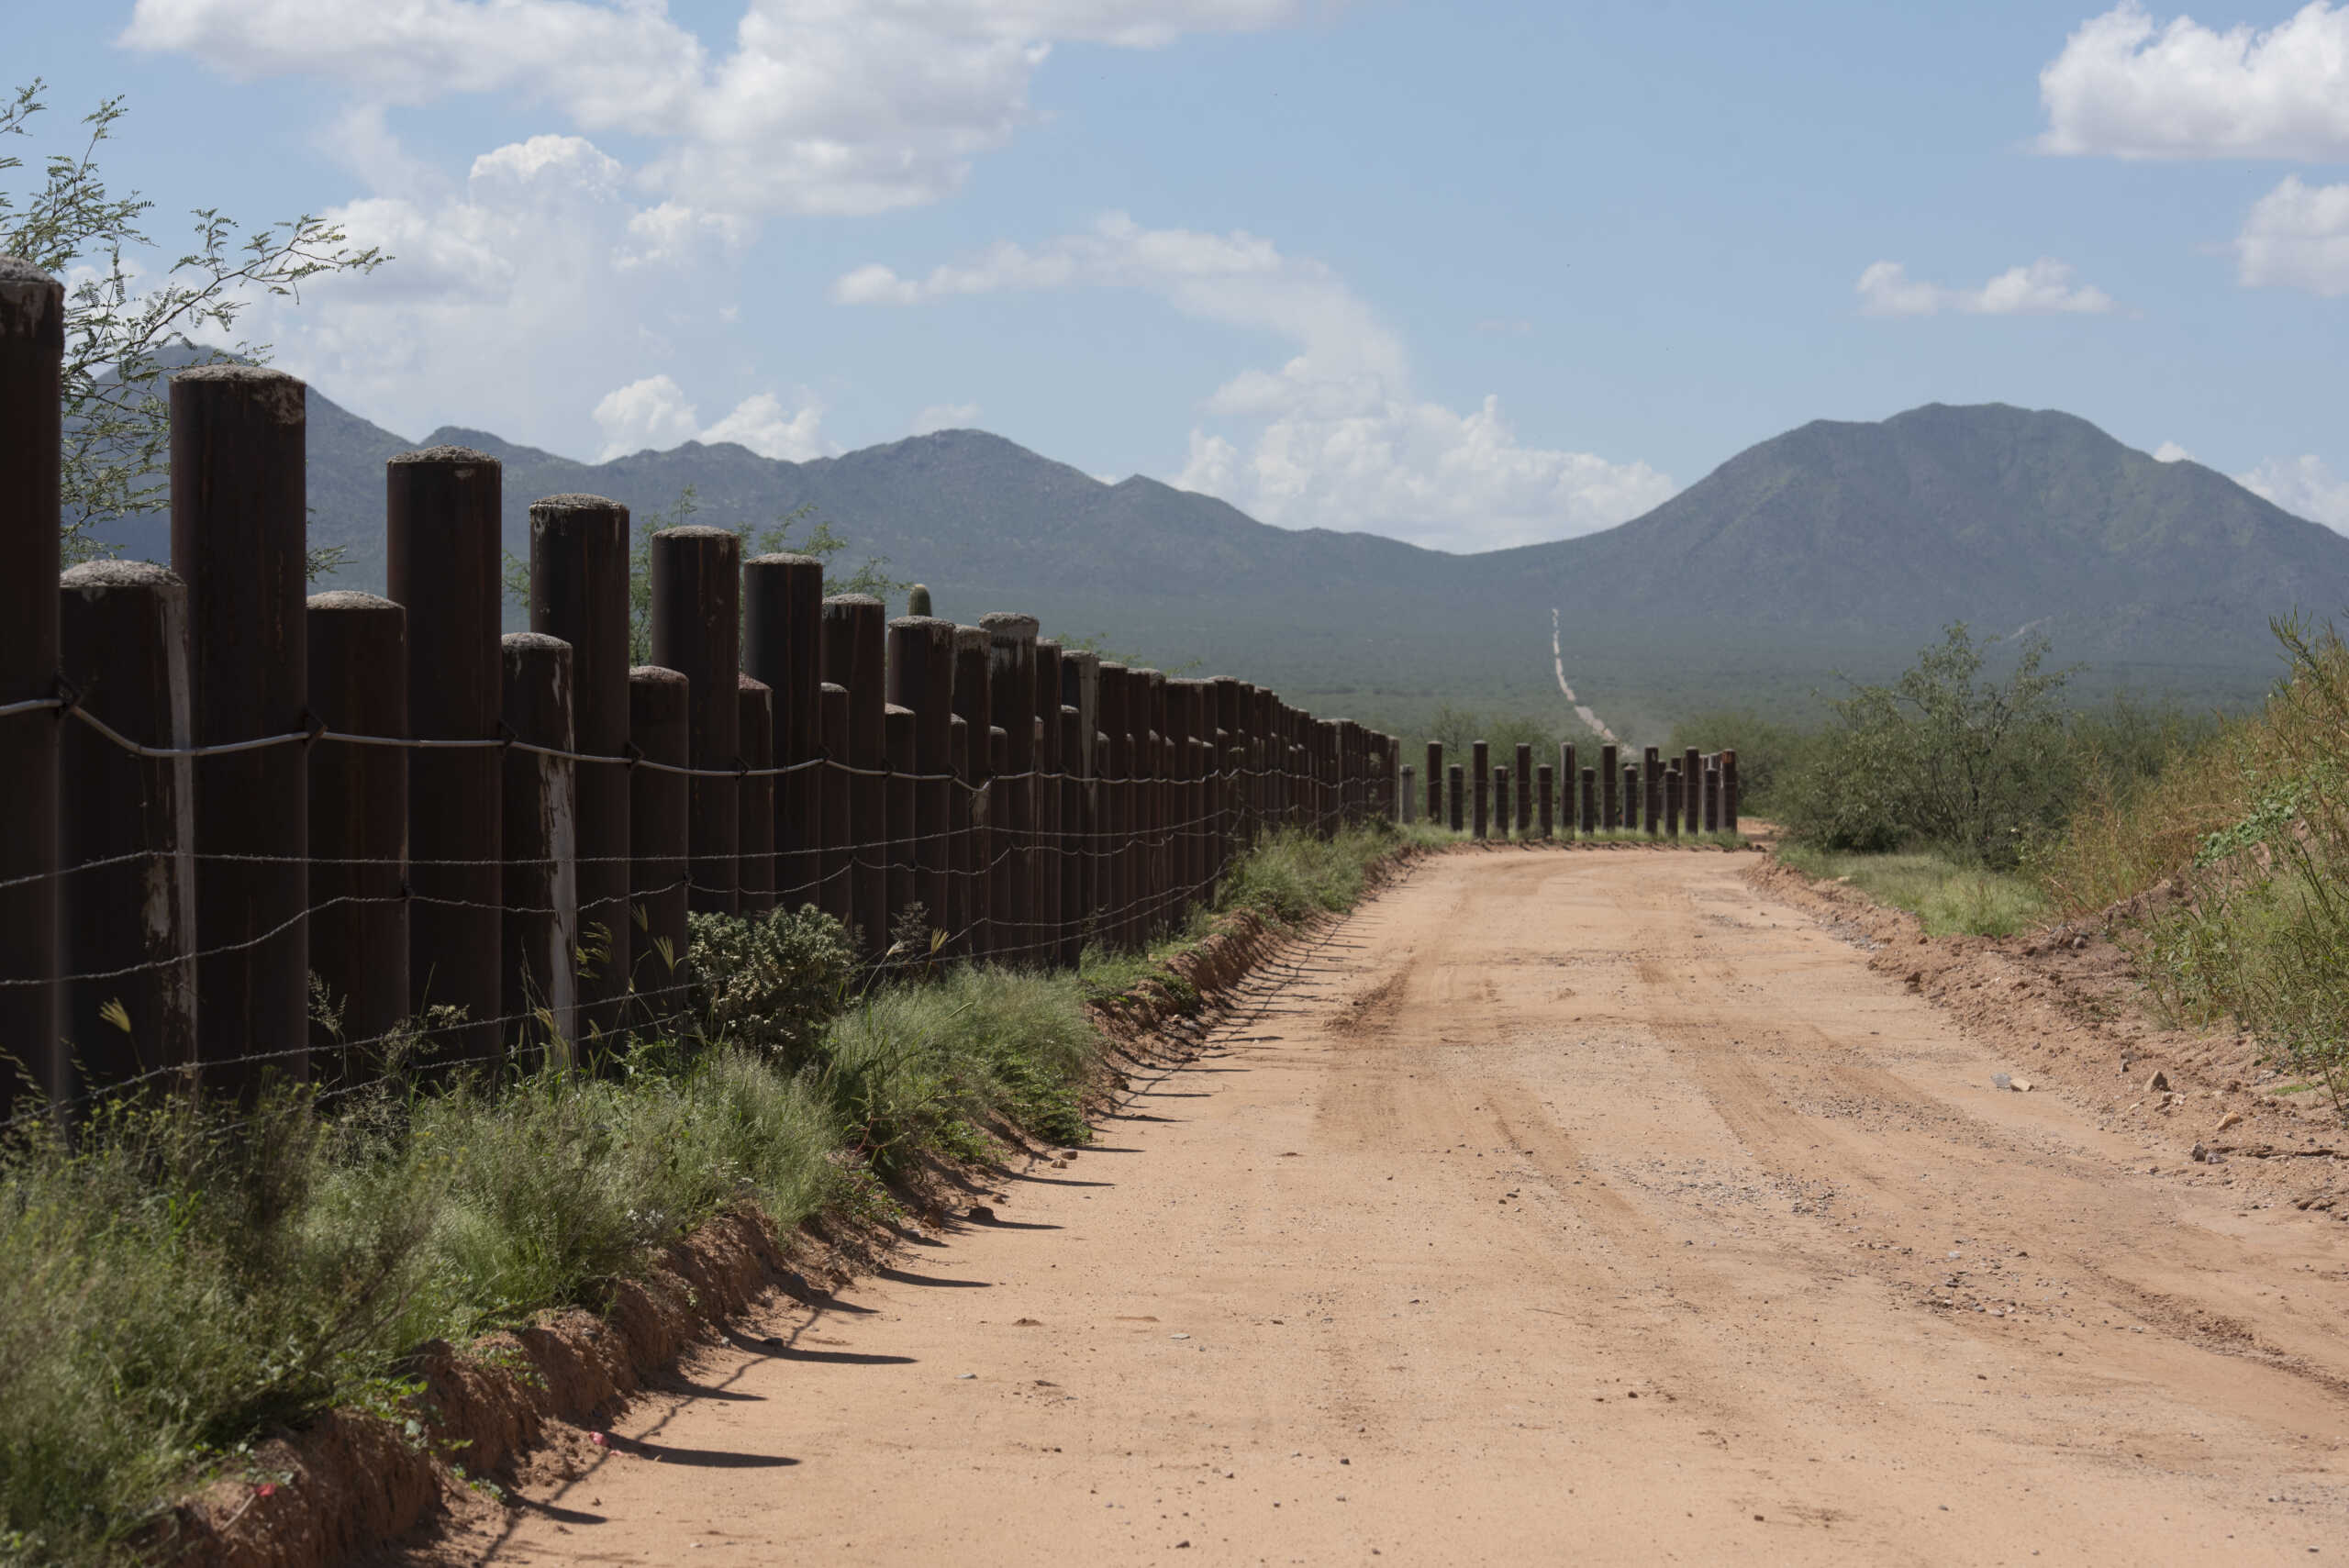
column 1836, row 546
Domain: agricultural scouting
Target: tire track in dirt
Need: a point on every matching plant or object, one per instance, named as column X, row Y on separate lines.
column 1553, row 1206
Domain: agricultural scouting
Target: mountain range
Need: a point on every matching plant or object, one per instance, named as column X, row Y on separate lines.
column 1835, row 547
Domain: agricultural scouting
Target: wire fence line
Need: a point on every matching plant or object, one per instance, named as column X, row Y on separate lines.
column 218, row 794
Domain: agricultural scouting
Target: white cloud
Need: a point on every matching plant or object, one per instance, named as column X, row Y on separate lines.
column 538, row 276
column 2170, row 451
column 1332, row 438
column 2125, row 86
column 648, row 413
column 822, row 105
column 2043, row 288
column 2297, row 237
column 2305, row 487
column 944, row 416
column 653, row 413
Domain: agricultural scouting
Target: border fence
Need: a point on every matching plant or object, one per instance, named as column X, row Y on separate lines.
column 1662, row 797
column 252, row 832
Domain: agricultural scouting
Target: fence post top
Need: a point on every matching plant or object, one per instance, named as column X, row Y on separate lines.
column 922, row 623
column 93, row 577
column 534, row 642
column 443, row 456
column 649, row 674
column 32, row 304
column 752, row 684
column 340, row 600
column 699, row 532
column 575, row 501
column 842, row 602
column 785, row 560
column 1009, row 625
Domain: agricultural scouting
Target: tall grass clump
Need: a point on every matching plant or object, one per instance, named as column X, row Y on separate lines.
column 1292, row 875
column 2259, row 930
column 1948, row 897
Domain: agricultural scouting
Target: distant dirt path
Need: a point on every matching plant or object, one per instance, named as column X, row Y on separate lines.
column 1562, row 1207
column 1558, row 661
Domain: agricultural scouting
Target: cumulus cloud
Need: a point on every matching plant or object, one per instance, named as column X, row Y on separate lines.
column 2297, row 237
column 821, row 105
column 2170, row 451
column 2042, row 288
column 2305, row 487
column 944, row 416
column 2127, row 86
column 536, row 277
column 1334, row 436
column 654, row 413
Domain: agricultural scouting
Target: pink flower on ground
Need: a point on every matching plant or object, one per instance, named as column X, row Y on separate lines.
column 266, row 1489
column 597, row 1439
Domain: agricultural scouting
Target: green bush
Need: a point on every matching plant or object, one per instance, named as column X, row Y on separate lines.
column 772, row 984
column 1768, row 752
column 1979, row 768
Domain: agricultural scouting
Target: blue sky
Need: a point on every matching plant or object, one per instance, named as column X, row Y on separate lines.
column 1466, row 274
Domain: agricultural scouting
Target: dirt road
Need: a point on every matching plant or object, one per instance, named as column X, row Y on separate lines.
column 1557, row 1207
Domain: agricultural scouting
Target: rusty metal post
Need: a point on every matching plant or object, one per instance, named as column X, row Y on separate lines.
column 1115, row 820
column 1547, row 782
column 1411, row 795
column 441, row 538
column 1435, row 783
column 1630, row 799
column 540, row 840
column 122, row 648
column 855, row 659
column 1713, row 798
column 1050, row 934
column 1453, row 796
column 1500, row 802
column 1729, row 789
column 836, row 891
column 783, row 599
column 1692, row 787
column 660, row 843
column 1480, row 755
column 1524, row 790
column 1589, row 803
column 1672, row 802
column 754, row 731
column 358, row 805
column 1074, row 852
column 899, row 744
column 238, row 529
column 579, row 592
column 921, row 679
column 1081, row 886
column 32, row 352
column 973, row 651
column 1610, row 784
column 1651, row 790
column 959, row 829
column 1012, row 691
column 1569, row 774
column 697, row 631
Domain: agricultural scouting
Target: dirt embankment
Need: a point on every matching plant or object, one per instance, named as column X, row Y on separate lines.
column 2068, row 1003
column 514, row 1410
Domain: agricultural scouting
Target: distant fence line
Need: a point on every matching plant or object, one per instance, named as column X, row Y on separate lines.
column 223, row 801
column 1694, row 792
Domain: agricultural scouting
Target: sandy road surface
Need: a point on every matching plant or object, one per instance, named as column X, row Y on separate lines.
column 1559, row 1207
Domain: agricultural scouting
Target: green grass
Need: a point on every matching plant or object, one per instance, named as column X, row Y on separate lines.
column 1949, row 899
column 181, row 1282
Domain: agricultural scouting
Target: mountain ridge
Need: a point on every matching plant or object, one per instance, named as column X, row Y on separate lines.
column 1836, row 544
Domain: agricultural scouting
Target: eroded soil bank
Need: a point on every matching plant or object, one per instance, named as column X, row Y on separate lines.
column 1553, row 1207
